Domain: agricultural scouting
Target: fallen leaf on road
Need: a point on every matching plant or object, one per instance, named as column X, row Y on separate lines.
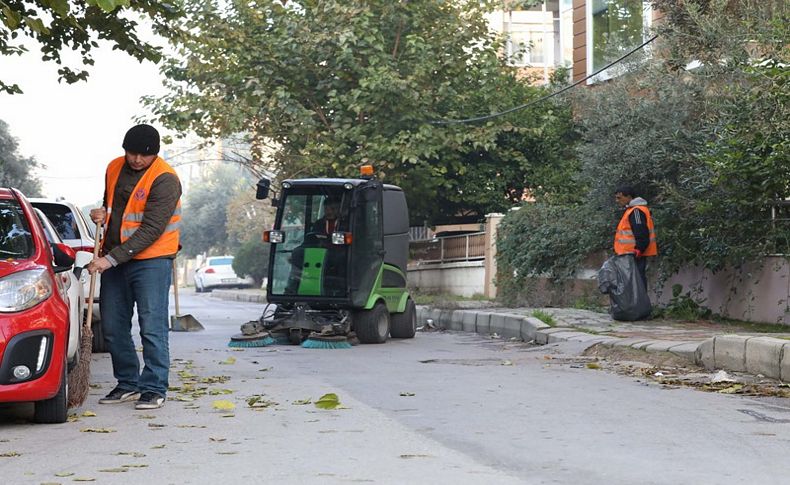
column 72, row 418
column 547, row 357
column 114, row 470
column 215, row 379
column 88, row 414
column 158, row 447
column 732, row 389
column 229, row 361
column 259, row 402
column 302, row 402
column 415, row 456
column 183, row 399
column 266, row 369
column 216, row 392
column 218, row 440
column 223, row 405
column 84, row 479
column 593, row 365
column 190, row 426
column 97, row 430
column 328, row 401
column 507, row 362
column 9, row 454
column 228, row 416
column 136, row 465
column 135, row 454
column 95, row 386
column 64, row 474
column 156, row 425
column 407, row 394
column 146, row 416
column 227, row 452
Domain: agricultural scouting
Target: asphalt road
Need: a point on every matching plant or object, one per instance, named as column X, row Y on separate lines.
column 482, row 411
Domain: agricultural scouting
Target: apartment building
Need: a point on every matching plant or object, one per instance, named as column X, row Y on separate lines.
column 581, row 35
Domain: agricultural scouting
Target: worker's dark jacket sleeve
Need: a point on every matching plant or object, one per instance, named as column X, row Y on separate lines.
column 638, row 221
column 159, row 208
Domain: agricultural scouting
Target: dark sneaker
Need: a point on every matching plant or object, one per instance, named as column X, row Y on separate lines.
column 150, row 400
column 119, row 395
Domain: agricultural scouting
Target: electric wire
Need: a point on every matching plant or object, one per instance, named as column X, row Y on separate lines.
column 548, row 96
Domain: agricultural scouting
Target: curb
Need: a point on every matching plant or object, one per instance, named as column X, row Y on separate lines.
column 762, row 355
column 231, row 295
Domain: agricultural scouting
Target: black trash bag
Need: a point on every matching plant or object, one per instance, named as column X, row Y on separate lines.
column 619, row 278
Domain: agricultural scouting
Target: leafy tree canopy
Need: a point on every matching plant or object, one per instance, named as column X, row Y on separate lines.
column 61, row 25
column 16, row 170
column 337, row 84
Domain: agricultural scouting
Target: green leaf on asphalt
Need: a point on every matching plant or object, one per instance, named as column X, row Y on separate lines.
column 223, row 405
column 114, row 470
column 64, row 474
column 88, row 414
column 97, row 430
column 136, row 465
column 229, row 361
column 9, row 454
column 593, row 365
column 84, row 479
column 328, row 401
column 407, row 394
column 158, row 447
column 302, row 402
column 135, row 454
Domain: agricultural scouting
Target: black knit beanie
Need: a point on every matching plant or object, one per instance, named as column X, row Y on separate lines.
column 142, row 139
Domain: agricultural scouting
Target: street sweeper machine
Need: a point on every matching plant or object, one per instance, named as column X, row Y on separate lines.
column 337, row 264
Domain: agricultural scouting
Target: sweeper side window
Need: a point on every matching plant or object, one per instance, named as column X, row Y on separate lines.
column 307, row 263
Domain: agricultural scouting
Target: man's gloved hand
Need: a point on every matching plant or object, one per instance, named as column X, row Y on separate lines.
column 637, row 253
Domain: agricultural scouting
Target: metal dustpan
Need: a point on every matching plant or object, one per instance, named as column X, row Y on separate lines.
column 184, row 323
column 178, row 322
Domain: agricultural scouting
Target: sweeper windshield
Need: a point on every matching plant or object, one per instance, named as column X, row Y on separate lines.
column 311, row 243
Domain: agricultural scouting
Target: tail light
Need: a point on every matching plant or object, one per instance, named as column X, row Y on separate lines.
column 210, row 271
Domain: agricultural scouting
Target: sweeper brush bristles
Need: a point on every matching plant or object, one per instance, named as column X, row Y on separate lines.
column 260, row 342
column 326, row 342
column 80, row 375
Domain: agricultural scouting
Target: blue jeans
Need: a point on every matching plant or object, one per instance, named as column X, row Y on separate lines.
column 145, row 283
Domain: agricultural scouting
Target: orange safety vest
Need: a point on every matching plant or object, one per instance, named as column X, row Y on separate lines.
column 624, row 241
column 167, row 244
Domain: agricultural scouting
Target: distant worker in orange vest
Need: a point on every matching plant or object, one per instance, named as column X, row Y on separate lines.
column 142, row 214
column 635, row 232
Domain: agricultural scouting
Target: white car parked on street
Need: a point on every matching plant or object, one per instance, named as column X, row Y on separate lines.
column 77, row 232
column 71, row 283
column 216, row 272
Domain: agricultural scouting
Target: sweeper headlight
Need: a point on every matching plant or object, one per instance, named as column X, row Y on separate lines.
column 342, row 238
column 273, row 237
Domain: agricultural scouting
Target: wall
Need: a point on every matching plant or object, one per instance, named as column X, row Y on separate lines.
column 464, row 278
column 757, row 292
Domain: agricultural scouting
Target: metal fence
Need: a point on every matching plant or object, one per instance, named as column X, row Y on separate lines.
column 466, row 247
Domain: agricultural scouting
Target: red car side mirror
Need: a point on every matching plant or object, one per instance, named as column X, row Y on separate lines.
column 64, row 255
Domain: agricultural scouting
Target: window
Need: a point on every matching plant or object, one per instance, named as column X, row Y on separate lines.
column 16, row 241
column 220, row 261
column 528, row 47
column 62, row 219
column 614, row 27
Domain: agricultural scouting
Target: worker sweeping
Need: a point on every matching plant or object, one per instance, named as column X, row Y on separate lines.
column 142, row 214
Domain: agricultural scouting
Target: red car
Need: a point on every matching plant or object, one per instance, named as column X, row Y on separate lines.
column 34, row 312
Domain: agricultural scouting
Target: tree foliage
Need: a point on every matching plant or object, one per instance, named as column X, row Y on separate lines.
column 337, row 84
column 204, row 220
column 15, row 170
column 62, row 25
column 706, row 145
column 252, row 259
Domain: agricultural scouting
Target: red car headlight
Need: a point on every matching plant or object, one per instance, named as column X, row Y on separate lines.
column 23, row 290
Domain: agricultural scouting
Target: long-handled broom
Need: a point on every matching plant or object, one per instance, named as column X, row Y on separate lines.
column 80, row 376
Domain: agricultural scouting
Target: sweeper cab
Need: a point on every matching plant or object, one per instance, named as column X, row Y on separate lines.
column 337, row 267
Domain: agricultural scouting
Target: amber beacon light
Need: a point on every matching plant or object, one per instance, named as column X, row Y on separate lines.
column 366, row 170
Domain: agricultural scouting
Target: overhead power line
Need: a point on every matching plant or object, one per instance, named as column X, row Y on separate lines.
column 548, row 96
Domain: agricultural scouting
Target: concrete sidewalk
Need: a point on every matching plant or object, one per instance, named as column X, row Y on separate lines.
column 713, row 346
